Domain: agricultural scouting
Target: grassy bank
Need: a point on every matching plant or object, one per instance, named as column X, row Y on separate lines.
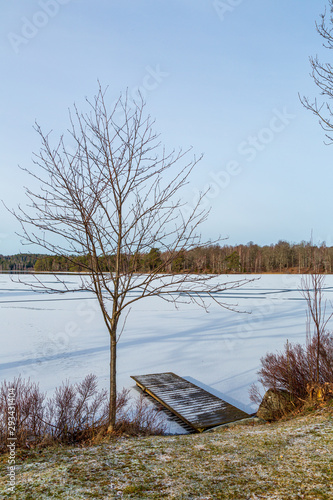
column 285, row 460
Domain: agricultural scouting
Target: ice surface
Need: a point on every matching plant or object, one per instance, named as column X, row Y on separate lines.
column 50, row 338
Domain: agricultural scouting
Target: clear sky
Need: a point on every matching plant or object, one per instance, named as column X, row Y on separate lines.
column 221, row 76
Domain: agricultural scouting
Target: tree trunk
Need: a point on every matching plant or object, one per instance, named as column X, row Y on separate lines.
column 318, row 355
column 113, row 381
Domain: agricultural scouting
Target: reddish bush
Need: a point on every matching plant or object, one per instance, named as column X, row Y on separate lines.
column 141, row 419
column 21, row 410
column 75, row 413
column 295, row 369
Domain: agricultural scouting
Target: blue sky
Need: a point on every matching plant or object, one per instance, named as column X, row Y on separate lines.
column 222, row 77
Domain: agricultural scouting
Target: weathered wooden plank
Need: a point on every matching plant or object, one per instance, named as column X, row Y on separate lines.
column 195, row 406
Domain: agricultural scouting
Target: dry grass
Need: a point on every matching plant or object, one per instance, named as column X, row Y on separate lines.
column 284, row 460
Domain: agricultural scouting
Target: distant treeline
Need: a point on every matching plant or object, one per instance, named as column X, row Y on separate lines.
column 282, row 257
column 19, row 262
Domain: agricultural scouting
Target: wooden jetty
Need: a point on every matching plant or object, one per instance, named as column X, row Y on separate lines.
column 196, row 407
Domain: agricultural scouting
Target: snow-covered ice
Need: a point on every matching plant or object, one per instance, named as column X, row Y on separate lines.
column 50, row 338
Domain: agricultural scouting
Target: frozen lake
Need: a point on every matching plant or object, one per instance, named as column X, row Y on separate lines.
column 50, row 338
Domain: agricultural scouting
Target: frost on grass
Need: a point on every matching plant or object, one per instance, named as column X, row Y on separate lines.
column 285, row 460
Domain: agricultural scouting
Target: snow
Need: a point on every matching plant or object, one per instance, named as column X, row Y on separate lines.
column 50, row 338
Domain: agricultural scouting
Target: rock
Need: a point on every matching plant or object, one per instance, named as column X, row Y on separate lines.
column 275, row 404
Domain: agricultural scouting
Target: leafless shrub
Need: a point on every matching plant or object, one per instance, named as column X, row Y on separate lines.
column 312, row 289
column 295, row 369
column 29, row 409
column 75, row 413
column 141, row 418
column 302, row 370
column 123, row 398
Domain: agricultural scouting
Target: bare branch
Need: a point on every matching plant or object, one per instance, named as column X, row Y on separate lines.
column 322, row 75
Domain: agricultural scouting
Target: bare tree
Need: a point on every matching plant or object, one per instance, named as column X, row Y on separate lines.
column 112, row 196
column 312, row 288
column 322, row 75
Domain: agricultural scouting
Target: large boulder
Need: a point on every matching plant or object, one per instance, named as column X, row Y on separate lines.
column 275, row 404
